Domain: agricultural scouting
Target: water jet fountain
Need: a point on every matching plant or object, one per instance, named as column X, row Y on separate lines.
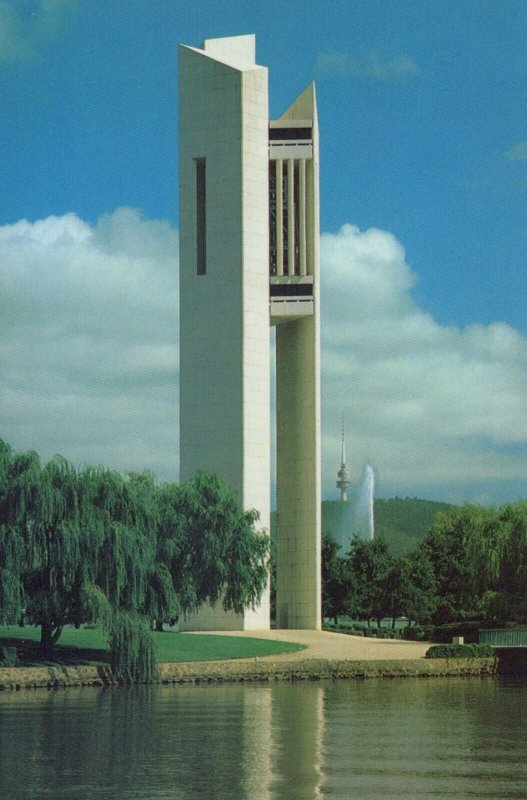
column 364, row 517
column 354, row 514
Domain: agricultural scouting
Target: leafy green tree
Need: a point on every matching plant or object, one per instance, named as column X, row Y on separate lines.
column 92, row 545
column 335, row 584
column 370, row 569
column 211, row 546
column 132, row 652
column 496, row 545
column 479, row 557
column 12, row 553
column 445, row 547
column 132, row 584
column 138, row 512
column 88, row 543
column 42, row 505
column 412, row 588
column 513, row 568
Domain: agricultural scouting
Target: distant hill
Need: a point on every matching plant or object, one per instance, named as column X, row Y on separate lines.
column 402, row 522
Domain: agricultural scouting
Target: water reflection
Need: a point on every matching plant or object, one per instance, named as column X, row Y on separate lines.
column 456, row 738
column 428, row 738
column 297, row 733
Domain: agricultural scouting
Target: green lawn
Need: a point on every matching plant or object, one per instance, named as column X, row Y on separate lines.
column 88, row 646
column 208, row 647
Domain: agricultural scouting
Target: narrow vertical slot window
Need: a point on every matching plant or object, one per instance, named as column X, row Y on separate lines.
column 201, row 217
column 296, row 195
column 272, row 219
column 285, row 218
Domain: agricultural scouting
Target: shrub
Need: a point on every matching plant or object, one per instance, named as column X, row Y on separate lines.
column 8, row 657
column 353, row 630
column 414, row 633
column 336, row 627
column 468, row 629
column 460, row 651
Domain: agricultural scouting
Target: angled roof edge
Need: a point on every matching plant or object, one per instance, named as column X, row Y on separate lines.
column 238, row 52
column 304, row 107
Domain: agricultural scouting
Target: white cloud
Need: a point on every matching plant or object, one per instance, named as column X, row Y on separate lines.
column 88, row 361
column 23, row 29
column 89, row 340
column 371, row 65
column 435, row 409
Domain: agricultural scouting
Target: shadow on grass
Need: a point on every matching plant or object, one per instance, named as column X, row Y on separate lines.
column 28, row 652
column 85, row 647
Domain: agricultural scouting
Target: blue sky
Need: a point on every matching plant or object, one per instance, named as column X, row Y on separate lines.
column 422, row 111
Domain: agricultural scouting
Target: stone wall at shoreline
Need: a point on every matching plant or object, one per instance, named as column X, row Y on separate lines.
column 319, row 669
column 54, row 677
column 244, row 670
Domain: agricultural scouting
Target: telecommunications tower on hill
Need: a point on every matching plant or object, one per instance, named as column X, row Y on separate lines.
column 343, row 474
column 249, row 258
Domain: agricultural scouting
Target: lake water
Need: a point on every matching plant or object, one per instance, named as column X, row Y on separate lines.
column 352, row 740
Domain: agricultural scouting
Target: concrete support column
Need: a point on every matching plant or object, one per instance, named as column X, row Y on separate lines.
column 298, row 589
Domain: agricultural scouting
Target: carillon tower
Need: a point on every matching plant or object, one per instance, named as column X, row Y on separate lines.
column 249, row 257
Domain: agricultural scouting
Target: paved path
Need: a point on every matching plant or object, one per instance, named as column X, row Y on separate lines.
column 339, row 646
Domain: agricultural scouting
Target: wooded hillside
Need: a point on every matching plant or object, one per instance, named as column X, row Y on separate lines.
column 402, row 522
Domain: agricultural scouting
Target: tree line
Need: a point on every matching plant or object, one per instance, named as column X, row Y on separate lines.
column 472, row 564
column 93, row 546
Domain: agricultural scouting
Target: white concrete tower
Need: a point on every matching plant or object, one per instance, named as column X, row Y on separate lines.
column 232, row 163
column 224, row 284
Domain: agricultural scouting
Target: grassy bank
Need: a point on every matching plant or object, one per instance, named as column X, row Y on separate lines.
column 88, row 646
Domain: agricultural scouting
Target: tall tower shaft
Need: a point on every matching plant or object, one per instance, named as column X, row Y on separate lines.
column 248, row 258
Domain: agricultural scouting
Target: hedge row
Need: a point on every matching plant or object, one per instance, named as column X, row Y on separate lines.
column 460, row 651
column 442, row 634
column 359, row 630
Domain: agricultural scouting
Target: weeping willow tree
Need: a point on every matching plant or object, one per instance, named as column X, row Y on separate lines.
column 137, row 587
column 94, row 546
column 496, row 544
column 61, row 534
column 132, row 651
column 211, row 545
column 479, row 556
column 79, row 547
column 445, row 546
column 12, row 554
column 513, row 574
